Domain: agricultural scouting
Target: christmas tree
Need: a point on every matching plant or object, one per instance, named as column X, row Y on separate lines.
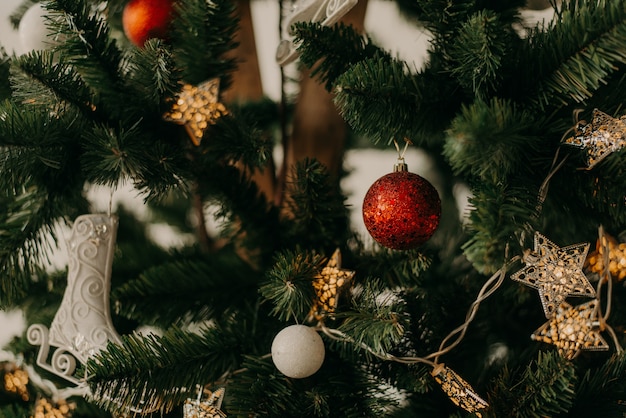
column 278, row 308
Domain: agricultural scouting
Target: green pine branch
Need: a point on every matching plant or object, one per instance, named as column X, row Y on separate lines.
column 500, row 214
column 546, row 387
column 492, row 141
column 153, row 163
column 159, row 372
column 41, row 79
column 113, row 155
column 397, row 269
column 152, row 74
column 288, row 284
column 41, row 185
column 237, row 137
column 440, row 17
column 339, row 45
column 317, row 216
column 35, row 144
column 27, row 234
column 571, row 59
column 211, row 25
column 381, row 100
column 478, row 55
column 377, row 320
column 167, row 167
column 89, row 48
column 600, row 390
column 186, row 290
column 116, row 148
column 337, row 389
column 14, row 410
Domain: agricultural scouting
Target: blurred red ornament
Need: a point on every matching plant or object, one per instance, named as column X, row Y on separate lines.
column 145, row 19
column 401, row 210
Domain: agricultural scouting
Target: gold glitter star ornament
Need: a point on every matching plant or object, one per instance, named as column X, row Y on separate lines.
column 209, row 408
column 609, row 256
column 555, row 272
column 458, row 390
column 573, row 329
column 48, row 409
column 328, row 284
column 603, row 136
column 16, row 382
column 197, row 107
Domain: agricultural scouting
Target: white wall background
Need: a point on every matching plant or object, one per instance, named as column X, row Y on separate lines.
column 383, row 23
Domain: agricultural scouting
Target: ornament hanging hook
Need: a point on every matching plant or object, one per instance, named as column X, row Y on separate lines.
column 401, row 165
column 401, row 154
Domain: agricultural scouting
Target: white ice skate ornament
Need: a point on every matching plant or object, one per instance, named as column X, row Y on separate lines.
column 327, row 12
column 82, row 325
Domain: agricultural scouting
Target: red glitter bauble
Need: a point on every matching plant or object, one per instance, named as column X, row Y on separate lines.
column 145, row 19
column 401, row 210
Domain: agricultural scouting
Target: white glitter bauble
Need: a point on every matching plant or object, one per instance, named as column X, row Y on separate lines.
column 32, row 29
column 298, row 351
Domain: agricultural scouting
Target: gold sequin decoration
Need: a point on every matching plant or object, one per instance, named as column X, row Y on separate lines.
column 46, row 409
column 196, row 107
column 209, row 408
column 458, row 390
column 555, row 272
column 603, row 136
column 328, row 284
column 607, row 248
column 16, row 381
column 573, row 329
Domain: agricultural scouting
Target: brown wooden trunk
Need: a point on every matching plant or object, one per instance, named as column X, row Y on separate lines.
column 247, row 84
